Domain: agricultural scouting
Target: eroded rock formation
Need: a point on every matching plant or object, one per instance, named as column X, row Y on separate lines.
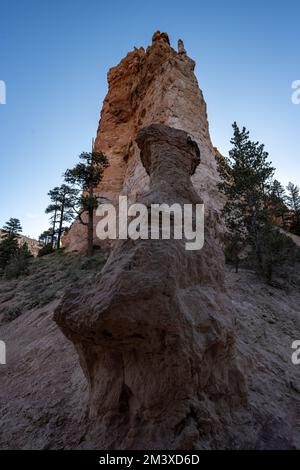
column 155, row 335
column 156, row 85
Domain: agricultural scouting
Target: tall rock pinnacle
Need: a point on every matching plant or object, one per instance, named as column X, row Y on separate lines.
column 156, row 85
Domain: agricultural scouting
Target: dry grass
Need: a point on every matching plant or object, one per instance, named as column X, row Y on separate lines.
column 48, row 278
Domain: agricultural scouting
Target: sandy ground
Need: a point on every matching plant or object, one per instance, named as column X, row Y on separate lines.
column 43, row 393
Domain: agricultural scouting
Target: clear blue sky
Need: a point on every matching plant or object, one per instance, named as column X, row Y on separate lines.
column 54, row 56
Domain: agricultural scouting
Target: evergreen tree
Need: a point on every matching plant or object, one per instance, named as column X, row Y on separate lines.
column 277, row 249
column 46, row 237
column 67, row 199
column 53, row 209
column 14, row 258
column 63, row 199
column 18, row 264
column 246, row 176
column 8, row 248
column 86, row 175
column 293, row 201
column 278, row 207
column 13, row 227
column 278, row 191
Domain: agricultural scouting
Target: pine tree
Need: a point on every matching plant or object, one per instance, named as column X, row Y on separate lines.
column 9, row 244
column 278, row 191
column 53, row 209
column 8, row 248
column 246, row 176
column 278, row 207
column 293, row 201
column 63, row 199
column 46, row 237
column 277, row 250
column 13, row 227
column 18, row 263
column 86, row 175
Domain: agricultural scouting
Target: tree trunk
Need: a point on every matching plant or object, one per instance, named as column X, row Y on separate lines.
column 270, row 273
column 90, row 251
column 53, row 227
column 255, row 236
column 236, row 264
column 60, row 223
column 90, row 226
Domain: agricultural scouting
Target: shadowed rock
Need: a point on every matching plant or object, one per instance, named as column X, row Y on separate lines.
column 154, row 335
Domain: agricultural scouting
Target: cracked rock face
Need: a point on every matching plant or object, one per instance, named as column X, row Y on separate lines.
column 155, row 335
column 156, row 85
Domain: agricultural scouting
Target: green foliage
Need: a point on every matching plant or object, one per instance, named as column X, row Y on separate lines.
column 11, row 314
column 89, row 202
column 293, row 201
column 63, row 199
column 246, row 178
column 8, row 249
column 13, row 227
column 18, row 264
column 46, row 250
column 45, row 237
column 86, row 175
column 89, row 171
column 248, row 170
column 277, row 192
column 253, row 203
column 293, row 197
column 277, row 249
column 14, row 258
column 277, row 199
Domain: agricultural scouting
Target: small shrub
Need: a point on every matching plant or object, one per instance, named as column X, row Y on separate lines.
column 11, row 314
column 17, row 266
column 277, row 250
column 46, row 250
column 46, row 297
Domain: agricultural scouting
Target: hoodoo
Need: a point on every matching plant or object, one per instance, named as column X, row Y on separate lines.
column 156, row 85
column 155, row 334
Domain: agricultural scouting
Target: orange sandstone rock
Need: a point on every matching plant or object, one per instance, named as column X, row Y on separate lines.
column 153, row 86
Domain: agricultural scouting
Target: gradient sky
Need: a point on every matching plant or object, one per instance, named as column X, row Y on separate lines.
column 54, row 56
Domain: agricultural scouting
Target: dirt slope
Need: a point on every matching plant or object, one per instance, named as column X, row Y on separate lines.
column 43, row 392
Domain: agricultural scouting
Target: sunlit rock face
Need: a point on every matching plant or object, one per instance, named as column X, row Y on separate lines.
column 155, row 334
column 156, row 85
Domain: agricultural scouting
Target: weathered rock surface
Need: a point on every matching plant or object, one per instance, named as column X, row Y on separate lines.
column 153, row 86
column 155, row 335
column 44, row 394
